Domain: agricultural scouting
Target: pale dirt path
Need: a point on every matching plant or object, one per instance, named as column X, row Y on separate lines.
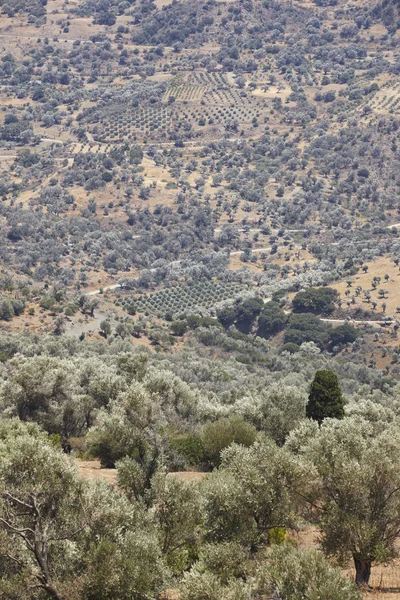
column 237, row 252
column 382, row 323
column 243, row 229
column 105, row 289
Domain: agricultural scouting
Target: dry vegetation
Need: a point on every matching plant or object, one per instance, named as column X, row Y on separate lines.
column 168, row 168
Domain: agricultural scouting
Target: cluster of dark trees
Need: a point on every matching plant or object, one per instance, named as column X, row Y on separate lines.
column 303, row 325
column 36, row 9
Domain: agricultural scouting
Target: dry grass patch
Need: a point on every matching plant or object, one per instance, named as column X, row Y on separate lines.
column 188, row 476
column 92, row 471
column 377, row 268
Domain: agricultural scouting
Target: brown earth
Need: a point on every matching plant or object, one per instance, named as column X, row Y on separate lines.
column 91, row 470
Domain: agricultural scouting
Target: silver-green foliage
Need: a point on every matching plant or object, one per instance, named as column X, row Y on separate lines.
column 293, row 574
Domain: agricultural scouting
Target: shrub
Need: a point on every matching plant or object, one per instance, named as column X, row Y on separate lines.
column 18, row 306
column 6, row 309
column 47, row 302
column 197, row 585
column 227, row 560
column 107, row 176
column 191, row 447
column 179, row 327
column 222, row 433
column 293, row 574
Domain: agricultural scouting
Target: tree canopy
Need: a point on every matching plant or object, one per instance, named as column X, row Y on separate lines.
column 315, row 300
column 325, row 398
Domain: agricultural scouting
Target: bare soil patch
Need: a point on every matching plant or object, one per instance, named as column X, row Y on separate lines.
column 92, row 470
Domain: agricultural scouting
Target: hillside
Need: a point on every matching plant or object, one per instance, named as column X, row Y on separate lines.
column 199, row 211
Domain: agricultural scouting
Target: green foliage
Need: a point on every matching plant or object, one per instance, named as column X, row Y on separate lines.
column 293, row 574
column 134, row 478
column 290, row 347
column 47, row 302
column 248, row 495
column 306, row 327
column 349, row 472
column 227, row 560
column 343, row 334
column 27, row 158
column 276, row 535
column 243, row 313
column 179, row 328
column 178, row 519
column 133, row 366
column 55, row 440
column 127, row 431
column 315, row 300
column 193, row 321
column 107, row 176
column 272, row 319
column 222, row 433
column 59, row 530
column 227, row 316
column 276, row 410
column 248, row 311
column 71, row 309
column 18, row 306
column 325, row 398
column 6, row 309
column 105, row 328
column 191, row 447
column 129, row 572
column 198, row 585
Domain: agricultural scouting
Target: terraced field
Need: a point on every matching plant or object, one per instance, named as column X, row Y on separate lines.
column 181, row 298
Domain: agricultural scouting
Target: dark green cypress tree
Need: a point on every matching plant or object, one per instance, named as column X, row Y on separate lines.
column 325, row 398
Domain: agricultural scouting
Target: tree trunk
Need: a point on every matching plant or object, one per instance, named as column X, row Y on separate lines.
column 363, row 571
column 52, row 591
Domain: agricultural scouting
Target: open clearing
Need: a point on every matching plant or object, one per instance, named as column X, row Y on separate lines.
column 92, row 471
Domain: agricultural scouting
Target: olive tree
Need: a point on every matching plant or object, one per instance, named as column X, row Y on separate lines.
column 178, row 519
column 354, row 488
column 293, row 574
column 6, row 309
column 201, row 585
column 128, row 428
column 276, row 410
column 248, row 495
column 222, row 433
column 59, row 532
